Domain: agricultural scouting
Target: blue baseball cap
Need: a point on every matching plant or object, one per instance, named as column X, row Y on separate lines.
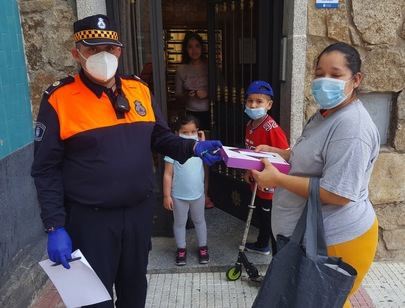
column 259, row 87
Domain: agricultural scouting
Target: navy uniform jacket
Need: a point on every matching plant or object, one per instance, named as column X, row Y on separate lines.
column 89, row 154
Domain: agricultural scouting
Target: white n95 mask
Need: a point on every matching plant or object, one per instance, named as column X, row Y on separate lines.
column 101, row 66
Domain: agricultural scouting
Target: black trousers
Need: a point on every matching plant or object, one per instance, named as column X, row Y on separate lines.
column 263, row 216
column 116, row 243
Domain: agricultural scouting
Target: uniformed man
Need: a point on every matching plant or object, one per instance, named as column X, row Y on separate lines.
column 93, row 141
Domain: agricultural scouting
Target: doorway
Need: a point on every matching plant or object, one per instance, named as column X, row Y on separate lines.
column 242, row 41
column 249, row 35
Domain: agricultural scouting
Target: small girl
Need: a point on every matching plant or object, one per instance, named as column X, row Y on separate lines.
column 183, row 192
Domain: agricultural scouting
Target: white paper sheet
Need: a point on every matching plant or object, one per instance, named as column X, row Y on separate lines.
column 79, row 285
column 274, row 157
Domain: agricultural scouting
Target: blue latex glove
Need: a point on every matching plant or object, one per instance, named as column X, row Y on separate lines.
column 60, row 247
column 207, row 151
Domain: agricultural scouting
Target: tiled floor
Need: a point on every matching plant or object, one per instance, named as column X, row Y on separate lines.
column 385, row 283
column 212, row 290
column 48, row 297
column 206, row 286
column 198, row 290
column 361, row 299
column 384, row 286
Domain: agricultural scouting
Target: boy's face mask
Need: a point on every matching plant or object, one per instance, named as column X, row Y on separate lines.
column 101, row 66
column 255, row 113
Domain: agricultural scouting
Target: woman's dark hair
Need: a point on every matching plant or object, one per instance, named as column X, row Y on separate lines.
column 351, row 54
column 187, row 38
column 184, row 120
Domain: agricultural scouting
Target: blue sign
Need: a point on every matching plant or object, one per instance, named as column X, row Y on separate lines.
column 327, row 4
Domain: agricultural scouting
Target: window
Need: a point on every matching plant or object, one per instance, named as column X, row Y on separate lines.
column 379, row 107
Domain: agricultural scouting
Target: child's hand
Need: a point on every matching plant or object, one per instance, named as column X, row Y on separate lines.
column 264, row 148
column 201, row 135
column 168, row 203
column 248, row 177
column 201, row 94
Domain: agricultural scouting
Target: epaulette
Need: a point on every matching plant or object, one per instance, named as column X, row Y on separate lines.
column 134, row 77
column 58, row 84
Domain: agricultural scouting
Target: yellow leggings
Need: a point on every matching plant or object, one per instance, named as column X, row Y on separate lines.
column 359, row 253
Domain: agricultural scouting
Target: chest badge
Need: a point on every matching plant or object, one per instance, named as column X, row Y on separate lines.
column 140, row 109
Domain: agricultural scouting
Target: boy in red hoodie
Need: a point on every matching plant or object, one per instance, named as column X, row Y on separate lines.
column 262, row 129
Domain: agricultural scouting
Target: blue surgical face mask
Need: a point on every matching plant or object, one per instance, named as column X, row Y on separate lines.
column 193, row 137
column 329, row 92
column 256, row 113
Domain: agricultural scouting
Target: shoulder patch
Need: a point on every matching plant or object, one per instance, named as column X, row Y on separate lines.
column 39, row 131
column 134, row 77
column 58, row 84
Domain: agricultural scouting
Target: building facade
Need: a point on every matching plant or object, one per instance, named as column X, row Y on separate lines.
column 376, row 30
column 38, row 36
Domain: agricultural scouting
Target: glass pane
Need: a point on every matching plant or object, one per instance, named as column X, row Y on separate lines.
column 378, row 106
column 143, row 49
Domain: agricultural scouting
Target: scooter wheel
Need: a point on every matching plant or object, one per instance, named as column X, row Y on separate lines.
column 233, row 273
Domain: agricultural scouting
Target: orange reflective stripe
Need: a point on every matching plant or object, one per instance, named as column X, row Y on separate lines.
column 139, row 99
column 79, row 109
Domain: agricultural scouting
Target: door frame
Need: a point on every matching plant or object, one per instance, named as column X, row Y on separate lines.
column 269, row 15
column 227, row 190
column 159, row 67
column 290, row 90
column 162, row 219
column 294, row 31
column 292, row 100
column 156, row 41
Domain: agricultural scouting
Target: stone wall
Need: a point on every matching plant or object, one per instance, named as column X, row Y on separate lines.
column 47, row 30
column 377, row 30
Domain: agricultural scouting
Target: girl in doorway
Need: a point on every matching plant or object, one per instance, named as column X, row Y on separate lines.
column 192, row 79
column 192, row 87
column 183, row 192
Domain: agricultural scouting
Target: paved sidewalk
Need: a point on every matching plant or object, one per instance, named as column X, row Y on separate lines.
column 206, row 286
column 383, row 287
column 212, row 290
column 385, row 284
column 199, row 290
column 224, row 233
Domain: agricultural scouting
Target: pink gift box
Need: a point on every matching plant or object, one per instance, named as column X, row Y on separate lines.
column 248, row 159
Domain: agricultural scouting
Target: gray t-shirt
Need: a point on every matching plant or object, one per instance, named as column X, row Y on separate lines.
column 191, row 78
column 341, row 150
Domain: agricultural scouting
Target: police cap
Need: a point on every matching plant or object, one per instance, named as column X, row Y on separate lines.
column 96, row 30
